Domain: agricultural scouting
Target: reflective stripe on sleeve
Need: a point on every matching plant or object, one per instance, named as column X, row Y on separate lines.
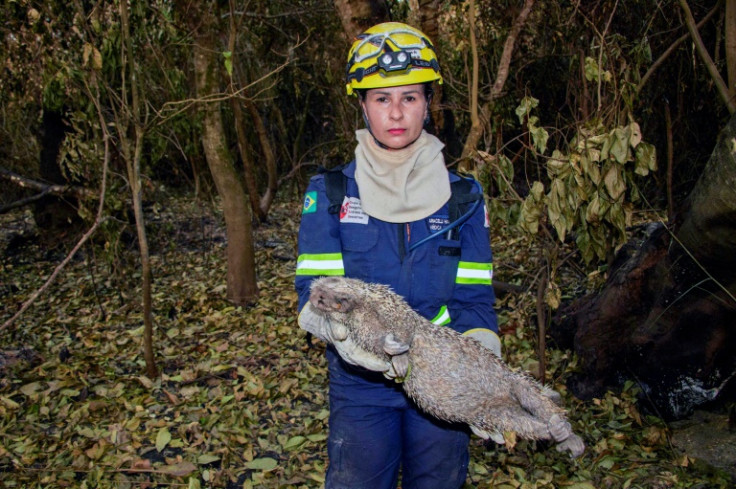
column 442, row 318
column 474, row 273
column 320, row 264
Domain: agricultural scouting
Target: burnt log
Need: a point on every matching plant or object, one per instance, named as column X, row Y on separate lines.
column 43, row 189
column 666, row 317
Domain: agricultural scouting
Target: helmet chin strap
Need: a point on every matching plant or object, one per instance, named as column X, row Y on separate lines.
column 368, row 126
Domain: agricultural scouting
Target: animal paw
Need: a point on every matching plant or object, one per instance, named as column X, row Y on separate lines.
column 399, row 368
column 394, row 346
column 485, row 434
column 559, row 428
column 573, row 444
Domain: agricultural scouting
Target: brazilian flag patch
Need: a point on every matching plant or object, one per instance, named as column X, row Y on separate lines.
column 310, row 203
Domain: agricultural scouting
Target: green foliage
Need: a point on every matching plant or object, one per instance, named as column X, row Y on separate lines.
column 228, row 61
column 532, row 209
column 80, row 147
column 540, row 136
column 593, row 72
column 591, row 186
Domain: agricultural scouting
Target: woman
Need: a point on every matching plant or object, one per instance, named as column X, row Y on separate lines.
column 400, row 223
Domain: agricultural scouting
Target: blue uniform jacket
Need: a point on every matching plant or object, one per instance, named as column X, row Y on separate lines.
column 446, row 279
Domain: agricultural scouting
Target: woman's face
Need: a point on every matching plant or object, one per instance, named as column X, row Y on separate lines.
column 396, row 114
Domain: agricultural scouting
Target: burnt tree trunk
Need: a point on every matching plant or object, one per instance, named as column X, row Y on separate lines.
column 666, row 317
column 55, row 215
column 358, row 15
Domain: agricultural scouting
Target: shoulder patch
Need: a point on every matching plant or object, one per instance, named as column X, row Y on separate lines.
column 351, row 211
column 310, row 203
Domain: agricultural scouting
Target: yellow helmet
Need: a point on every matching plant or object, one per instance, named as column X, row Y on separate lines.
column 389, row 55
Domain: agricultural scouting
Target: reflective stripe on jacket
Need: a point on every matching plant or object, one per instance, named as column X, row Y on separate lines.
column 447, row 280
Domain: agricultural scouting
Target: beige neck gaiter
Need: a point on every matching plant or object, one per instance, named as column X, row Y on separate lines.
column 402, row 185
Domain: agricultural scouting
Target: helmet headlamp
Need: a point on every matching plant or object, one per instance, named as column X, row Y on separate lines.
column 391, row 54
column 394, row 61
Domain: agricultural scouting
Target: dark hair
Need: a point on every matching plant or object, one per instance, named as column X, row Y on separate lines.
column 428, row 92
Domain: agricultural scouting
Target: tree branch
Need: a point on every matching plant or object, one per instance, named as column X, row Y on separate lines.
column 44, row 188
column 703, row 52
column 663, row 57
column 730, row 35
column 23, row 202
column 474, row 120
column 508, row 49
column 502, row 74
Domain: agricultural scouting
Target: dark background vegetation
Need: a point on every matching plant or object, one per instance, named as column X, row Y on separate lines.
column 146, row 363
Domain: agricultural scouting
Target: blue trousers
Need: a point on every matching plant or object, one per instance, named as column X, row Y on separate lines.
column 375, row 430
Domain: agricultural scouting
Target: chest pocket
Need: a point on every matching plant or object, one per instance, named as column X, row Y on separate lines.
column 444, row 259
column 358, row 242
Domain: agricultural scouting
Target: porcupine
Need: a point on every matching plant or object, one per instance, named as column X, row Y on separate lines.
column 450, row 376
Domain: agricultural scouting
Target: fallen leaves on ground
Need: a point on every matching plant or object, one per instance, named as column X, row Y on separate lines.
column 241, row 401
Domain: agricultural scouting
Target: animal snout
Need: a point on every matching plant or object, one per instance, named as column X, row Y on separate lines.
column 328, row 294
column 319, row 301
